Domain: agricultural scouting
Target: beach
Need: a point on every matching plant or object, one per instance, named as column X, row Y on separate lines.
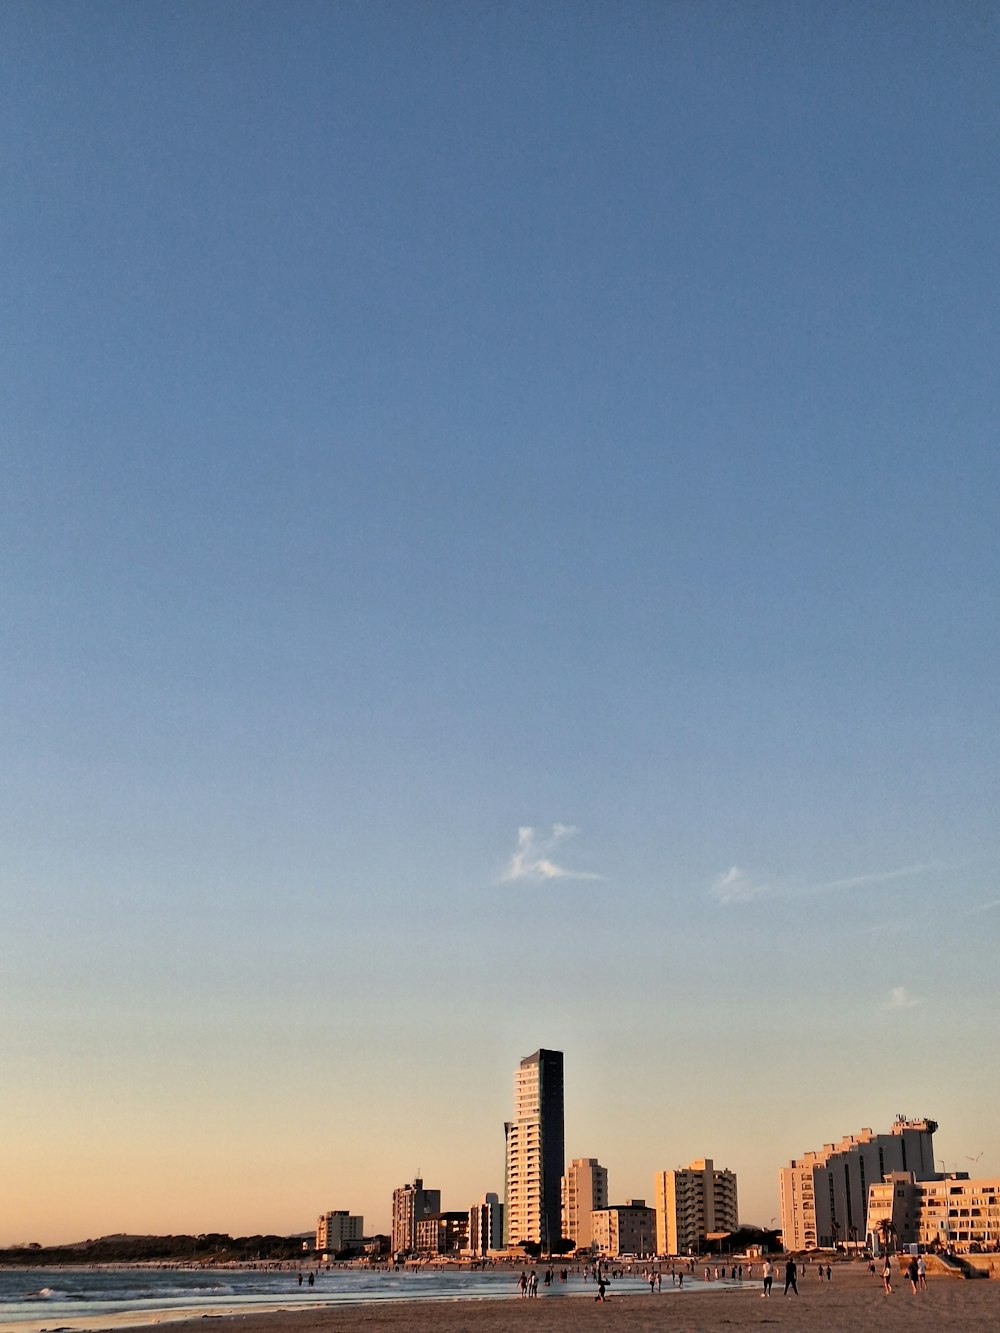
column 852, row 1300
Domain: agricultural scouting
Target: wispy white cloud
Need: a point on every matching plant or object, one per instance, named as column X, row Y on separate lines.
column 983, row 907
column 534, row 860
column 738, row 886
column 876, row 877
column 743, row 886
column 900, row 998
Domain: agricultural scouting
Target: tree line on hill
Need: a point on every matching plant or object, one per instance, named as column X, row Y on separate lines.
column 210, row 1248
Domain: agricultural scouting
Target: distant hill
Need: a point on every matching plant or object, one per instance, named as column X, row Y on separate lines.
column 208, row 1248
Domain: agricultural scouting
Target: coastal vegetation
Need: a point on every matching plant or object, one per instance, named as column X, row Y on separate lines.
column 209, row 1248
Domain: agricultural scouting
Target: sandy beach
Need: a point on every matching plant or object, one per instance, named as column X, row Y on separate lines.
column 851, row 1300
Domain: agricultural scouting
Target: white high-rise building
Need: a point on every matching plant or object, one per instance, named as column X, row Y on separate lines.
column 535, row 1152
column 691, row 1203
column 824, row 1194
column 584, row 1189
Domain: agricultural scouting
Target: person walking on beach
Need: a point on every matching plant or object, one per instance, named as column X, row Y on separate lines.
column 522, row 1283
column 887, row 1275
column 768, row 1271
column 601, row 1288
column 790, row 1276
column 922, row 1273
column 912, row 1274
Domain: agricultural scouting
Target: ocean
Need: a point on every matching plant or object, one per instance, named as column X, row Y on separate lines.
column 52, row 1297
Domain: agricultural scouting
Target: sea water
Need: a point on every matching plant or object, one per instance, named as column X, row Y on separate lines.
column 50, row 1297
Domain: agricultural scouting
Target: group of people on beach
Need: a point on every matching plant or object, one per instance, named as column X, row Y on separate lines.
column 916, row 1273
column 791, row 1272
column 792, row 1275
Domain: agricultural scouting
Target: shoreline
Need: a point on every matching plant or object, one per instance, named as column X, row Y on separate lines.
column 970, row 1306
column 852, row 1298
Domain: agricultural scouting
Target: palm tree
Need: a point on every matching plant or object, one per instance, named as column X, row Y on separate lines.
column 887, row 1230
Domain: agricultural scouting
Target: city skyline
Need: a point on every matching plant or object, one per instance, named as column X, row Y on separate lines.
column 498, row 531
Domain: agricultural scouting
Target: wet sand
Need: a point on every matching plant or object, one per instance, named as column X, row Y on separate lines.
column 851, row 1301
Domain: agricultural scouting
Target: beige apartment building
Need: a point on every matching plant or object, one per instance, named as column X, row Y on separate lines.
column 692, row 1203
column 824, row 1194
column 486, row 1225
column 584, row 1189
column 410, row 1203
column 338, row 1230
column 442, row 1233
column 623, row 1229
column 952, row 1212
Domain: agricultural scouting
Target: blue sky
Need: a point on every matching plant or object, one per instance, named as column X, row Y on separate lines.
column 499, row 524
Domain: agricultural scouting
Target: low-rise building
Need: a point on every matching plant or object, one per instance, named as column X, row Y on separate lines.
column 625, row 1228
column 442, row 1233
column 950, row 1213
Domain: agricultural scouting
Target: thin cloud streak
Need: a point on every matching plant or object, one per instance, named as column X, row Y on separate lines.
column 900, row 998
column 741, row 886
column 882, row 877
column 533, row 861
column 983, row 907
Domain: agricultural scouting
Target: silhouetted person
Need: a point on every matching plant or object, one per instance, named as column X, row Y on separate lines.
column 790, row 1277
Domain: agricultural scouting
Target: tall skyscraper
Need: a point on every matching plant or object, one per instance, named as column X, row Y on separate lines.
column 584, row 1189
column 411, row 1203
column 535, row 1152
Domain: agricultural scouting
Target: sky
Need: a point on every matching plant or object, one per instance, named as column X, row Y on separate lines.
column 498, row 530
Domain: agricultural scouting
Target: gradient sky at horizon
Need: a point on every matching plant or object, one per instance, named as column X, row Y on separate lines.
column 499, row 537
